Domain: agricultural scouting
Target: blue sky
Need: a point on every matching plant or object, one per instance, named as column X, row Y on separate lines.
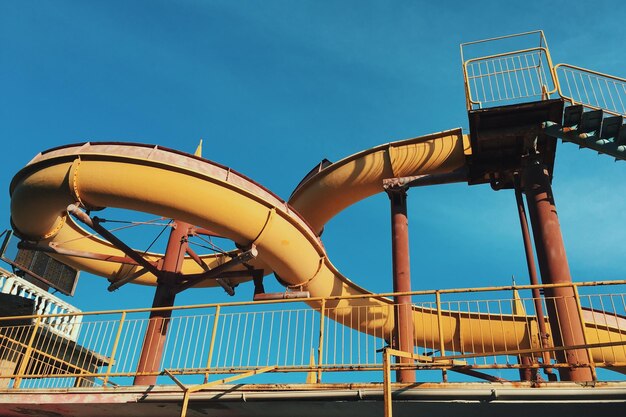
column 275, row 86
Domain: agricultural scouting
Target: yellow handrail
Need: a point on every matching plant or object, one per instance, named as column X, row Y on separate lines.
column 543, row 90
column 459, row 328
column 621, row 94
column 541, row 50
column 334, row 298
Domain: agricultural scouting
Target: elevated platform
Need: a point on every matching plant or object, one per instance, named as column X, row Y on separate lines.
column 501, row 136
column 329, row 400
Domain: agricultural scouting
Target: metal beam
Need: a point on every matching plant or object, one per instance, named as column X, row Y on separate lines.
column 257, row 279
column 55, row 248
column 287, row 295
column 425, row 180
column 94, row 223
column 477, row 374
column 125, row 280
column 227, row 287
column 194, row 279
column 205, row 232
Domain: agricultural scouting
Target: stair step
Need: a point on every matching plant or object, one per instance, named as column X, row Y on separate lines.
column 611, row 126
column 620, row 140
column 591, row 121
column 572, row 115
column 591, row 129
column 607, row 140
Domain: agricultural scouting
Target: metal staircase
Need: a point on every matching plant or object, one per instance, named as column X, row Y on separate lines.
column 595, row 103
column 595, row 115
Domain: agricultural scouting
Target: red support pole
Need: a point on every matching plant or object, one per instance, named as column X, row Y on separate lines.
column 156, row 333
column 528, row 374
column 565, row 320
column 403, row 337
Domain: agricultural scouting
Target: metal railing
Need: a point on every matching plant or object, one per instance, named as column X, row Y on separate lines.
column 527, row 74
column 592, row 89
column 63, row 319
column 517, row 76
column 509, row 78
column 454, row 328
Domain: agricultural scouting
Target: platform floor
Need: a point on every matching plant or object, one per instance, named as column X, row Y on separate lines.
column 328, row 400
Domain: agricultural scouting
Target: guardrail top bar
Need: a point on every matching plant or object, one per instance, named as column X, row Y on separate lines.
column 337, row 298
column 542, row 40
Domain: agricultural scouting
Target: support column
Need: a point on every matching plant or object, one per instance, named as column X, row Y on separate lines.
column 403, row 337
column 156, row 333
column 527, row 374
column 565, row 321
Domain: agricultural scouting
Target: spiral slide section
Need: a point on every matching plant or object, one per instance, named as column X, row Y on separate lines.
column 176, row 185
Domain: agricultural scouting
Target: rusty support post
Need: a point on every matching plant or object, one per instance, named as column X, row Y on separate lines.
column 528, row 374
column 156, row 333
column 403, row 337
column 565, row 323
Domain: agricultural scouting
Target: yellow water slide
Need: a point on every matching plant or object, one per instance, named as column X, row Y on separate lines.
column 191, row 189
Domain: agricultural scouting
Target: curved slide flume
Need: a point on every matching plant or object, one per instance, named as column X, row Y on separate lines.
column 176, row 185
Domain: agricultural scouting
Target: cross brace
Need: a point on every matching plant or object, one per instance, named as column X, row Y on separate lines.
column 219, row 273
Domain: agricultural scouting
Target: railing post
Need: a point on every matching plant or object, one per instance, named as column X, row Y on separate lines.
column 183, row 410
column 582, row 322
column 212, row 345
column 320, row 346
column 27, row 354
column 555, row 78
column 114, row 349
column 442, row 345
column 387, row 383
column 468, row 94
